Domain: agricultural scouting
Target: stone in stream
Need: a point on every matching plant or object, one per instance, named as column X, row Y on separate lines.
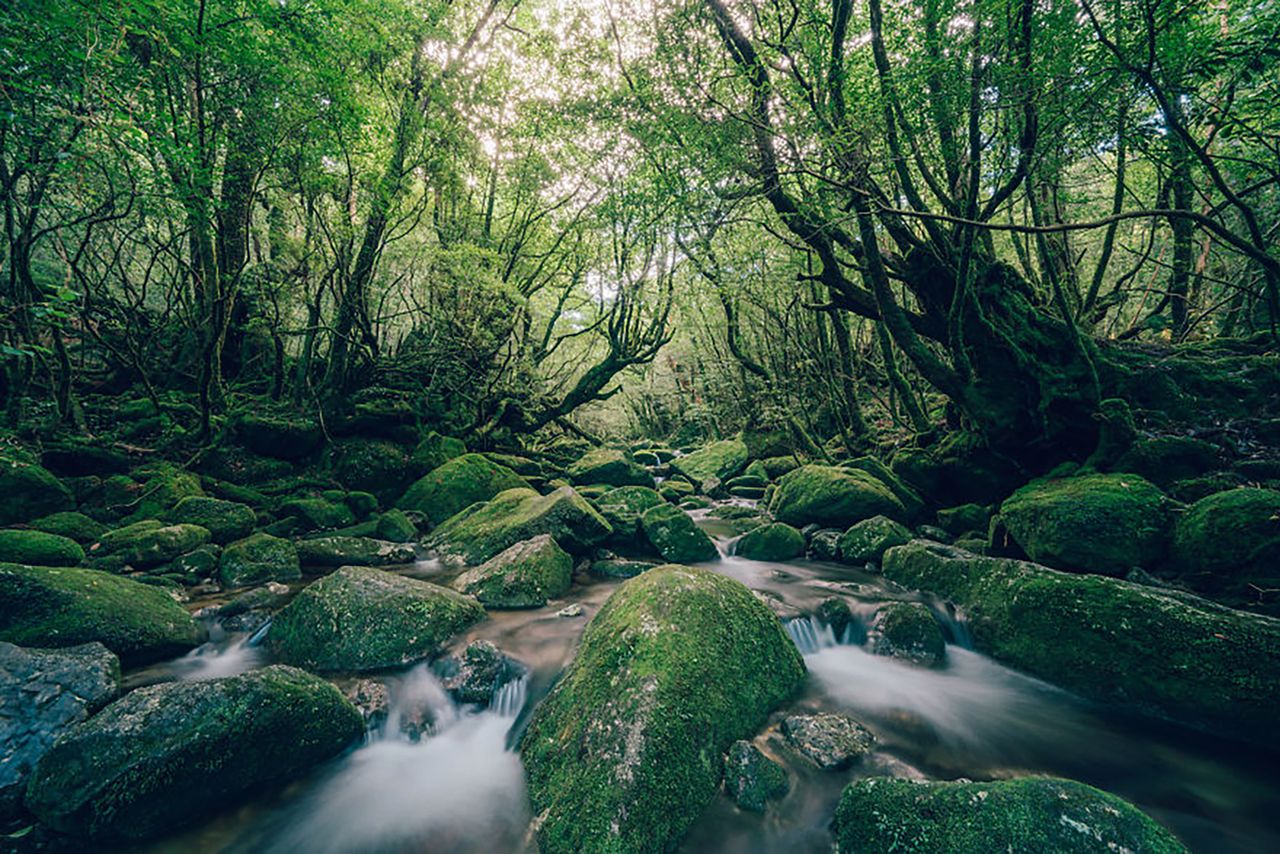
column 620, row 568
column 525, row 575
column 1032, row 814
column 361, row 618
column 832, row 496
column 165, row 756
column 372, row 699
column 1168, row 653
column 149, row 543
column 867, row 541
column 478, row 673
column 457, row 484
column 483, row 530
column 676, row 537
column 66, row 606
column 752, row 779
column 710, row 466
column 257, row 559
column 824, row 544
column 226, row 521
column 627, row 749
column 622, row 508
column 609, row 466
column 39, row 549
column 907, row 630
column 352, row 551
column 830, row 741
column 43, row 692
column 396, row 526
column 774, row 542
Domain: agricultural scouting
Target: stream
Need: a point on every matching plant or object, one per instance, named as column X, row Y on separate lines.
column 449, row 780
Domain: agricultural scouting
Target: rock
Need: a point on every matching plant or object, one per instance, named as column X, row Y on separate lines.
column 149, row 543
column 1111, row 640
column 280, row 438
column 225, row 520
column 1165, row 459
column 616, row 568
column 1103, row 523
column 774, row 542
column 361, row 504
column 64, row 606
column 42, row 694
column 837, row 614
column 832, row 496
column 824, row 544
column 675, row 535
column 867, row 541
column 525, row 575
column 911, row 501
column 318, row 514
column 964, row 519
column 626, row 750
column 752, row 779
column 483, row 530
column 70, row 524
column 436, row 450
column 574, row 610
column 830, row 741
column 621, row 508
column 375, row 466
column 372, row 699
column 352, row 551
column 29, row 491
column 1230, row 538
column 396, row 527
column 776, row 467
column 366, row 619
column 162, row 485
column 675, row 489
column 457, row 484
column 39, row 549
column 907, row 630
column 195, row 565
column 267, row 596
column 478, row 673
column 259, row 558
column 717, row 462
column 1030, row 814
column 167, row 756
column 81, row 459
column 609, row 466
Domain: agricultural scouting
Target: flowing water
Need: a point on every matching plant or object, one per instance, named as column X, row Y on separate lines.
column 439, row 777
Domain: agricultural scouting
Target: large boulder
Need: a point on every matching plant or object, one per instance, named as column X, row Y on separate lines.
column 776, row 541
column 436, row 450
column 868, row 540
column 70, row 524
column 830, row 496
column 257, row 559
column 1160, row 651
column 29, row 491
column 64, row 606
column 609, row 466
column 377, row 466
column 226, row 521
column 352, row 551
column 1229, row 540
column 457, row 484
column 1104, row 523
column 907, row 630
column 149, row 543
column 622, row 508
column 523, row 576
column 39, row 549
column 1165, row 459
column 676, row 537
column 626, row 750
column 912, row 503
column 360, row 618
column 166, row 756
column 710, row 466
column 483, row 530
column 43, row 692
column 1031, row 814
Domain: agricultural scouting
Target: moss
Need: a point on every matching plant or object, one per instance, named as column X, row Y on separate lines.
column 1228, row 545
column 225, row 520
column 56, row 607
column 257, row 559
column 912, row 503
column 525, row 575
column 1104, row 523
column 352, row 551
column 165, row 756
column 163, row 485
column 482, row 530
column 626, row 751
column 621, row 508
column 777, row 541
column 609, row 466
column 1030, row 814
column 752, row 779
column 457, row 484
column 868, row 540
column 907, row 630
column 39, row 549
column 832, row 496
column 1157, row 650
column 68, row 523
column 395, row 526
column 29, row 491
column 367, row 619
column 776, row 467
column 375, row 466
column 149, row 544
column 281, row 438
column 1165, row 459
column 965, row 519
column 675, row 535
column 708, row 467
column 318, row 514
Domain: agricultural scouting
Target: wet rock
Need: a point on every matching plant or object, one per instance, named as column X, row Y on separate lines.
column 1033, row 814
column 42, row 694
column 258, row 559
column 396, row 526
column 457, row 484
column 830, row 741
column 226, row 521
column 317, row 514
column 525, row 575
column 483, row 530
column 907, row 630
column 709, row 467
column 676, row 537
column 964, row 519
column 267, row 596
column 574, row 610
column 372, row 699
column 70, row 524
column 618, row 568
column 352, row 551
column 625, row 752
column 752, row 779
column 622, row 508
column 481, row 670
column 39, row 549
column 777, row 541
column 610, row 466
column 832, row 496
column 360, row 618
column 835, row 612
column 168, row 755
column 867, row 541
column 29, row 491
column 195, row 565
column 824, row 544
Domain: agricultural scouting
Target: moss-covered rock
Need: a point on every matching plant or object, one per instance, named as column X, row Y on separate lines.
column 194, row 566
column 712, row 465
column 70, row 524
column 360, row 618
column 352, row 551
column 525, row 575
column 149, row 543
column 752, row 779
column 435, row 450
column 868, row 540
column 376, row 466
column 965, row 519
column 162, row 486
column 257, row 559
column 481, row 531
column 225, row 520
column 622, row 508
column 281, row 438
column 907, row 630
column 62, row 606
column 609, row 466
column 618, row 568
column 1158, row 650
column 1165, row 459
column 676, row 536
column 828, row 740
column 29, row 491
column 164, row 756
column 318, row 513
column 1229, row 536
column 39, row 549
column 777, row 541
column 1032, row 814
column 457, row 484
column 827, row 495
column 627, row 749
column 396, row 526
column 912, row 503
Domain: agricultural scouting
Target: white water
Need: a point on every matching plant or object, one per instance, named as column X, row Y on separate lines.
column 214, row 660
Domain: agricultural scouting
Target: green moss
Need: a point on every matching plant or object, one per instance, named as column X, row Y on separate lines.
column 457, row 484
column 257, row 559
column 70, row 524
column 525, row 575
column 395, row 526
column 352, row 551
column 1030, row 814
column 29, row 491
column 777, row 541
column 621, row 508
column 752, row 779
column 912, row 503
column 907, row 630
column 1157, row 650
column 1230, row 533
column 482, row 530
column 628, row 748
column 225, row 520
column 376, row 466
column 436, row 450
column 712, row 465
column 827, row 495
column 965, row 519
column 318, row 514
column 165, row 756
column 163, row 486
column 676, row 536
column 1104, row 523
column 1165, row 459
column 367, row 619
column 55, row 607
column 609, row 466
column 39, row 549
column 281, row 438
column 868, row 540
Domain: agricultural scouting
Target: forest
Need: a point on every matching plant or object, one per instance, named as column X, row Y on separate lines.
column 640, row 425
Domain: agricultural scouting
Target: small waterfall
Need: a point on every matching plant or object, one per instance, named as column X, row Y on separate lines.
column 810, row 634
column 508, row 698
column 420, row 706
column 259, row 635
